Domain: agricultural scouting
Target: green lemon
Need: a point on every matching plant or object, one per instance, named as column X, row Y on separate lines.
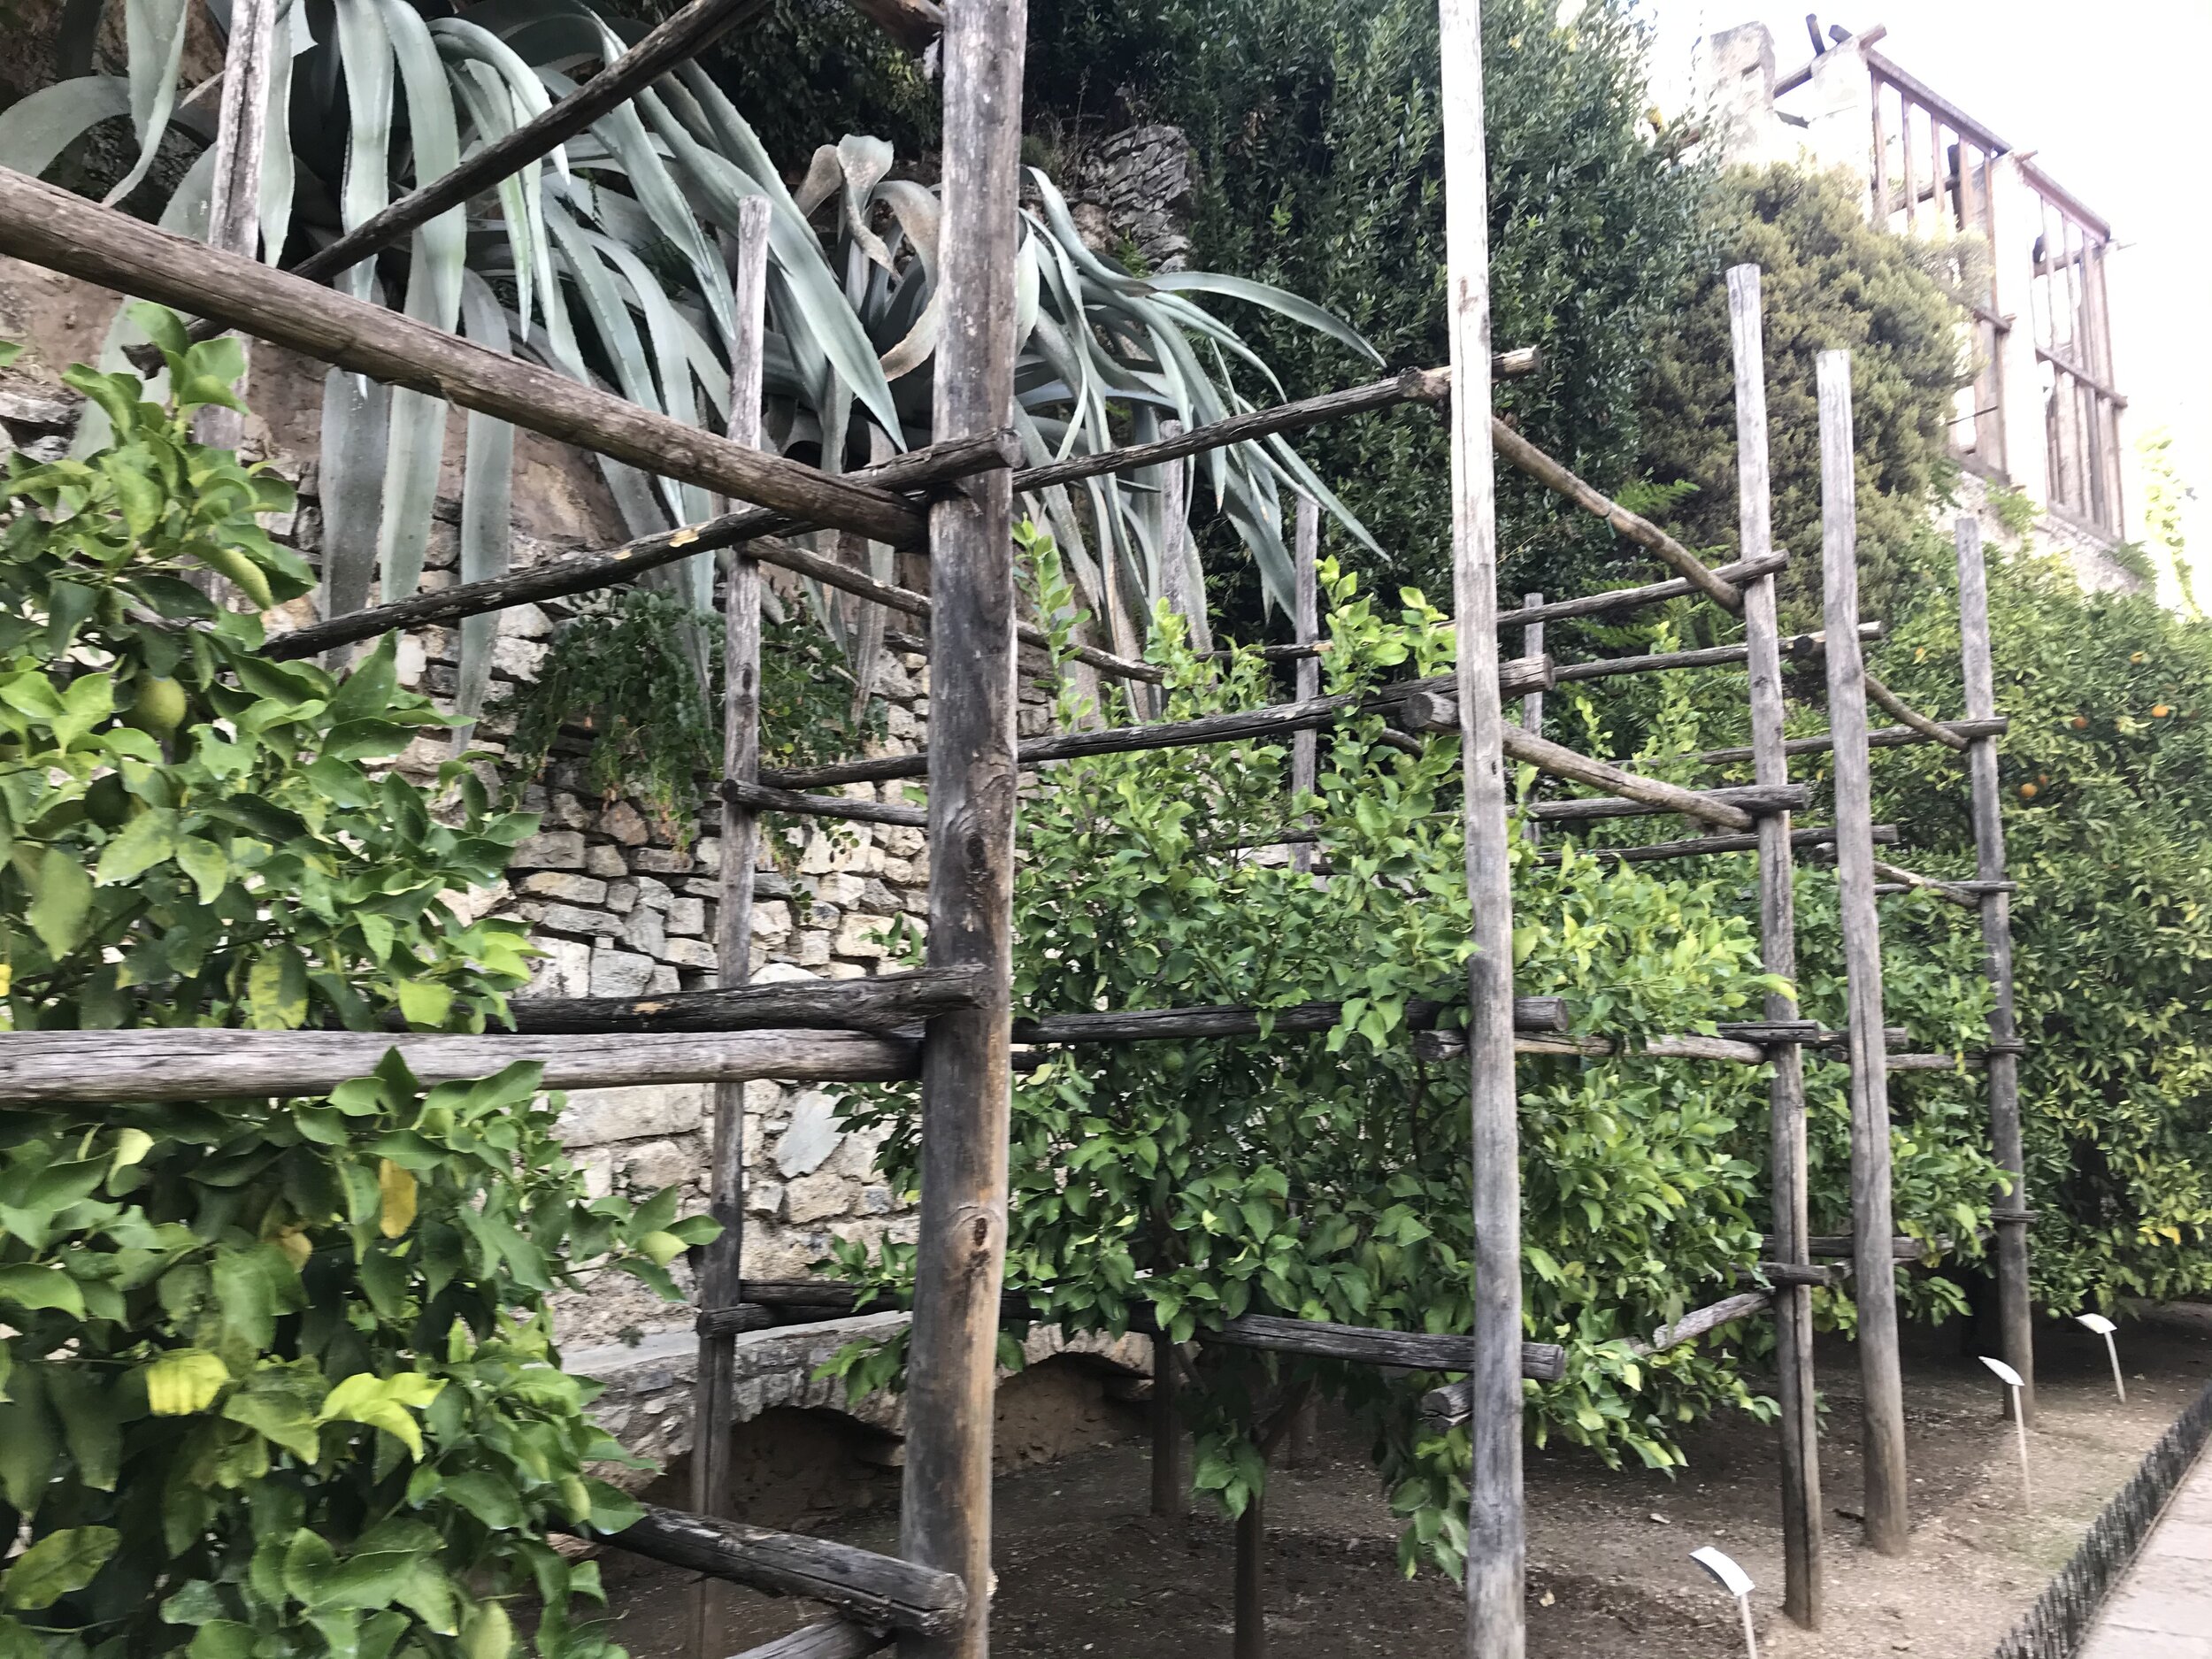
column 160, row 705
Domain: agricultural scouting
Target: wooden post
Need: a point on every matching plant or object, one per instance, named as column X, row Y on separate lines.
column 1533, row 702
column 1888, row 1523
column 1306, row 622
column 722, row 1265
column 967, row 1100
column 1778, row 949
column 234, row 202
column 2015, row 1317
column 1249, row 1640
column 1497, row 1540
column 1170, row 1488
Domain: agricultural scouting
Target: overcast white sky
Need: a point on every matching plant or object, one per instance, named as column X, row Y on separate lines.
column 2111, row 97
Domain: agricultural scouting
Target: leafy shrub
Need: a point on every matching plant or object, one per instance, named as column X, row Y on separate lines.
column 278, row 1377
column 1325, row 1176
column 1828, row 280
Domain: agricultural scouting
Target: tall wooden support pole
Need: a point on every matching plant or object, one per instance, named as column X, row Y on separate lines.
column 1888, row 1523
column 1533, row 702
column 722, row 1266
column 233, row 201
column 1170, row 1488
column 2015, row 1317
column 1778, row 949
column 1249, row 1640
column 1305, row 620
column 966, row 1084
column 1497, row 1540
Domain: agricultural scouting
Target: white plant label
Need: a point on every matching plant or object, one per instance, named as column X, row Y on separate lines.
column 1732, row 1578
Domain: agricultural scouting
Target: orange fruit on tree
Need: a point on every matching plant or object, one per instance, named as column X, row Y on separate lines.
column 2027, row 792
column 2159, row 711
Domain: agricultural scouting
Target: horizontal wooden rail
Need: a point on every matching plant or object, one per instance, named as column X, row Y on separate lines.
column 761, row 798
column 881, row 1004
column 1742, row 571
column 1515, row 678
column 1705, row 846
column 1410, row 385
column 1837, row 1246
column 1800, row 646
column 872, row 1588
column 1881, row 737
column 1447, row 1406
column 49, row 227
column 752, row 527
column 198, row 1063
column 1815, row 1275
column 832, row 1638
column 1233, row 1019
column 1452, row 1045
column 1410, row 1350
column 1756, row 798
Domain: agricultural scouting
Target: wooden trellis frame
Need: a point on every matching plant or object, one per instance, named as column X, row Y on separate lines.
column 934, row 1601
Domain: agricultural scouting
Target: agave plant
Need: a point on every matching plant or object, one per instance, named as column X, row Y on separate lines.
column 609, row 260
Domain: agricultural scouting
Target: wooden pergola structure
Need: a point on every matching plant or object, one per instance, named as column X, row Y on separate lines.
column 955, row 499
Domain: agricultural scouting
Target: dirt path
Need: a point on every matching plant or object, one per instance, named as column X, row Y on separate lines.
column 1084, row 1571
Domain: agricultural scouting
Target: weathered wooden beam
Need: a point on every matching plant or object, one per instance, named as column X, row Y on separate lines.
column 967, row 1080
column 1802, row 645
column 675, row 41
column 1941, row 889
column 1450, row 1045
column 875, row 1589
column 1409, row 386
column 1561, row 762
column 1934, row 731
column 1497, row 1526
column 760, row 798
column 1881, row 737
column 1705, row 846
column 1318, row 1339
column 1742, row 571
column 1525, row 458
column 1407, row 1350
column 1236, row 1019
column 49, row 227
column 1245, row 725
column 197, row 1062
column 752, row 528
column 1448, row 1406
column 2016, row 1319
column 1759, row 799
column 1888, row 1517
column 913, row 24
column 884, row 1004
column 832, row 1638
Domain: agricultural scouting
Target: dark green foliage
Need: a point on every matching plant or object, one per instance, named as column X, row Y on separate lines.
column 1829, row 279
column 1319, row 139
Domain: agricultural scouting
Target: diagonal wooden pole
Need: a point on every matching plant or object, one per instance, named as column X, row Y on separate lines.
column 1778, row 948
column 2015, row 1317
column 1497, row 1544
column 1888, row 1518
column 721, row 1271
column 967, row 1099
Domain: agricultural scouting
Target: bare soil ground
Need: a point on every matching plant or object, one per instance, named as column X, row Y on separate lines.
column 1084, row 1569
